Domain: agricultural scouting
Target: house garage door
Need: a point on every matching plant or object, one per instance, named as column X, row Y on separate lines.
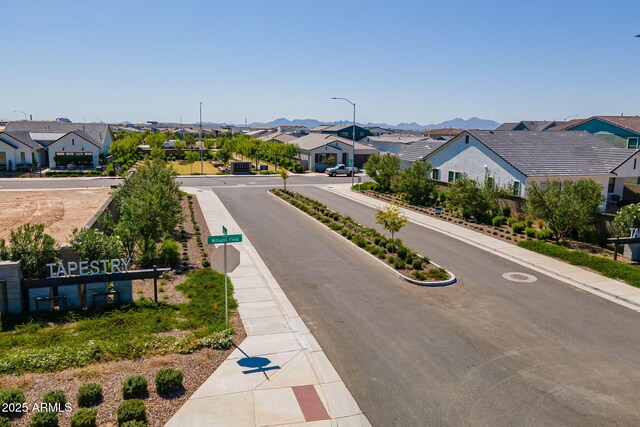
column 361, row 159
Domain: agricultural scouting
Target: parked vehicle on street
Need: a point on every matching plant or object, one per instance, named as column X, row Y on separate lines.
column 342, row 170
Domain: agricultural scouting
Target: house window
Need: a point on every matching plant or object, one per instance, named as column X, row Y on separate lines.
column 73, row 141
column 612, row 184
column 453, row 176
column 633, row 143
column 23, row 157
column 3, row 157
column 435, row 174
column 634, row 163
column 516, row 188
column 328, row 158
column 466, row 139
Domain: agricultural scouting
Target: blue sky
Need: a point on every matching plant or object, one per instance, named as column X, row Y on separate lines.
column 400, row 61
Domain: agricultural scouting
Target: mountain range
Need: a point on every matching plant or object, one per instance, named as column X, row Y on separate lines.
column 457, row 123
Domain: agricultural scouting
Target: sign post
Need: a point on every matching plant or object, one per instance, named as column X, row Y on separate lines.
column 224, row 239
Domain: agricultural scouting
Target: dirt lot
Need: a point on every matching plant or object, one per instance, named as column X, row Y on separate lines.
column 59, row 210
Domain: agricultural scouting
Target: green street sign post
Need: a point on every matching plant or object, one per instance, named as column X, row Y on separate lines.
column 224, row 239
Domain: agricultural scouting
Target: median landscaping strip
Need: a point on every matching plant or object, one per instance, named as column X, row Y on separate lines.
column 410, row 265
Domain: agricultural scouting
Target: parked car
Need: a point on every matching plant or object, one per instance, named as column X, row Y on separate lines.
column 342, row 170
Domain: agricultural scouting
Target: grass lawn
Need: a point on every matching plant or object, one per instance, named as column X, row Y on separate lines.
column 183, row 169
column 73, row 339
column 628, row 273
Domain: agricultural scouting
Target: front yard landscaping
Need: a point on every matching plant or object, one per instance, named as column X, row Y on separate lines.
column 394, row 253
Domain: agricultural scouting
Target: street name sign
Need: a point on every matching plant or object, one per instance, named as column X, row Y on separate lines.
column 225, row 238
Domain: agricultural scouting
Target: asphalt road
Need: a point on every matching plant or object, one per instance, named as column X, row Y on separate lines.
column 485, row 351
column 191, row 181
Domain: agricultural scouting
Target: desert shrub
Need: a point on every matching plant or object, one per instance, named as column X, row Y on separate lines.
column 55, row 397
column 134, row 423
column 5, row 422
column 169, row 254
column 499, row 220
column 12, row 396
column 530, row 232
column 44, row 419
column 131, row 410
column 360, row 241
column 416, row 264
column 399, row 264
column 83, row 418
column 419, row 275
column 134, row 387
column 89, row 395
column 168, row 381
column 544, row 234
column 518, row 227
column 206, row 263
column 402, row 253
column 511, row 221
column 437, row 273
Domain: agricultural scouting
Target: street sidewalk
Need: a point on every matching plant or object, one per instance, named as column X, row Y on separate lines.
column 279, row 375
column 612, row 290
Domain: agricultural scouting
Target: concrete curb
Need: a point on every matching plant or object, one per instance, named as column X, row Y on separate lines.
column 618, row 299
column 451, row 281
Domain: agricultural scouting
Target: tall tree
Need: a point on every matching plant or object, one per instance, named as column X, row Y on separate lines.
column 565, row 206
column 415, row 182
column 384, row 170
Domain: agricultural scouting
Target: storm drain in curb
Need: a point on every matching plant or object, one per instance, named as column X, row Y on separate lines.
column 520, row 277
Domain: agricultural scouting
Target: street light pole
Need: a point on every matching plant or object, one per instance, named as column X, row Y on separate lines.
column 200, row 138
column 353, row 146
column 25, row 114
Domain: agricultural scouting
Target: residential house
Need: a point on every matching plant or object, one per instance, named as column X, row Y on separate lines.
column 443, row 134
column 19, row 151
column 516, row 159
column 530, row 125
column 378, row 131
column 391, row 143
column 621, row 131
column 61, row 144
column 419, row 150
column 345, row 131
column 278, row 137
column 320, row 151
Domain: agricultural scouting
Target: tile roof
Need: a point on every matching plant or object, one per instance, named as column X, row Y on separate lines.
column 316, row 140
column 395, row 138
column 564, row 125
column 419, row 150
column 278, row 136
column 508, row 126
column 554, row 153
column 631, row 123
column 25, row 138
column 97, row 131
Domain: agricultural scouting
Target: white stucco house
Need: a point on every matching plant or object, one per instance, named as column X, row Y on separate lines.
column 56, row 144
column 516, row 159
column 18, row 151
column 319, row 151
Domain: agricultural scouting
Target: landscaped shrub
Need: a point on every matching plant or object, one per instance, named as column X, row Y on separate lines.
column 206, row 263
column 437, row 273
column 55, row 397
column 518, row 227
column 360, row 241
column 89, row 395
column 12, row 398
column 511, row 221
column 544, row 234
column 5, row 422
column 390, row 247
column 169, row 254
column 131, row 410
column 168, row 381
column 83, row 418
column 419, row 275
column 499, row 220
column 530, row 232
column 402, row 253
column 528, row 222
column 134, row 424
column 399, row 264
column 299, row 168
column 134, row 387
column 416, row 264
column 44, row 419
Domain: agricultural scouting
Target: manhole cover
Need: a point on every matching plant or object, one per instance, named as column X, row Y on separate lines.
column 520, row 277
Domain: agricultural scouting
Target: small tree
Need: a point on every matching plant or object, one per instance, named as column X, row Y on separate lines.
column 179, row 146
column 158, row 153
column 565, row 206
column 94, row 245
column 30, row 244
column 383, row 169
column 191, row 157
column 625, row 220
column 391, row 219
column 415, row 182
column 284, row 174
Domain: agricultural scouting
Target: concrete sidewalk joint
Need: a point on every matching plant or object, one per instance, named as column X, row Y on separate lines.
column 287, row 357
column 610, row 289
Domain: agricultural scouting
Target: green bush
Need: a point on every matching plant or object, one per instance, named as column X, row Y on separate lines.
column 206, row 263
column 390, row 247
column 530, row 232
column 360, row 241
column 89, row 395
column 402, row 253
column 44, row 419
column 399, row 264
column 11, row 396
column 169, row 254
column 544, row 234
column 419, row 275
column 499, row 220
column 83, row 418
column 298, row 168
column 511, row 221
column 134, row 424
column 110, row 170
column 5, row 422
column 416, row 264
column 134, row 387
column 55, row 397
column 437, row 273
column 168, row 381
column 131, row 410
column 518, row 227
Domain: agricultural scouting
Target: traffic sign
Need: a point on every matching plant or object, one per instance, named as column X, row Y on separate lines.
column 225, row 238
column 217, row 259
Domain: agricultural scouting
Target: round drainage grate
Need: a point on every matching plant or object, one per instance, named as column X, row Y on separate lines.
column 520, row 277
